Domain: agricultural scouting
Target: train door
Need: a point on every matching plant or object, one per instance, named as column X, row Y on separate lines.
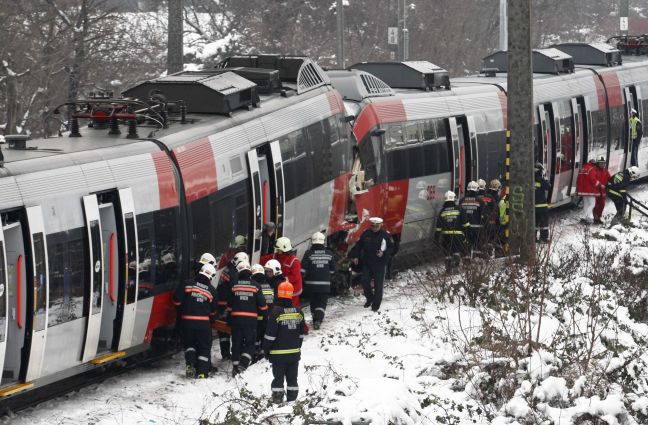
column 257, row 204
column 110, row 273
column 580, row 138
column 128, row 270
column 456, row 138
column 277, row 188
column 467, row 149
column 4, row 300
column 544, row 141
column 563, row 142
column 630, row 104
column 93, row 299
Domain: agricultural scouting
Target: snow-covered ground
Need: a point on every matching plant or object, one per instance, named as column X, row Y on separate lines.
column 423, row 360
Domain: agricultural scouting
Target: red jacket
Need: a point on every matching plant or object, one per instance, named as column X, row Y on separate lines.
column 290, row 267
column 588, row 182
column 603, row 177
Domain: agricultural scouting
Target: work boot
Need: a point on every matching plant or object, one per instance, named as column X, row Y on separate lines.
column 277, row 396
column 598, row 221
column 190, row 371
column 235, row 371
column 291, row 395
column 316, row 325
column 368, row 303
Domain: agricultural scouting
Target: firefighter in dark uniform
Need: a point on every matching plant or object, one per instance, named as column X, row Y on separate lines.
column 282, row 343
column 471, row 216
column 490, row 218
column 318, row 268
column 541, row 203
column 206, row 258
column 244, row 303
column 274, row 275
column 197, row 302
column 617, row 189
column 374, row 247
column 259, row 278
column 228, row 278
column 449, row 231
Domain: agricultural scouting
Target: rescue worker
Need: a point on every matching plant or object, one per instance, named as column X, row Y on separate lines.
column 490, row 218
column 244, row 303
column 374, row 247
column 290, row 266
column 228, row 278
column 617, row 189
column 504, row 222
column 282, row 344
column 541, row 204
column 603, row 177
column 481, row 188
column 206, row 258
column 587, row 188
column 471, row 216
column 318, row 268
column 274, row 275
column 449, row 230
column 636, row 133
column 197, row 302
column 259, row 279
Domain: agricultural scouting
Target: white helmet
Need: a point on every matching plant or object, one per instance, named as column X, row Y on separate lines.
column 318, row 238
column 495, row 185
column 473, row 186
column 283, row 244
column 634, row 172
column 207, row 258
column 208, row 271
column 449, row 196
column 274, row 266
column 240, row 256
column 600, row 158
column 243, row 265
column 481, row 184
column 257, row 269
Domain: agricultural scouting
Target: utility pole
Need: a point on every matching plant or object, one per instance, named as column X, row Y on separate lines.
column 520, row 130
column 405, row 33
column 339, row 9
column 174, row 46
column 503, row 22
column 624, row 12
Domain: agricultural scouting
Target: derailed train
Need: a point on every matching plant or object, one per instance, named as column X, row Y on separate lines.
column 98, row 228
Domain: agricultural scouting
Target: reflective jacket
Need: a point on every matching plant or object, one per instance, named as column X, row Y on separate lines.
column 587, row 183
column 284, row 333
column 449, row 220
column 318, row 266
column 503, row 210
column 636, row 130
column 197, row 301
column 471, row 207
column 266, row 289
column 245, row 301
column 541, row 190
column 618, row 184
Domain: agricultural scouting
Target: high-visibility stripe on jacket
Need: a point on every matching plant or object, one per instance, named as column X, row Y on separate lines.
column 284, row 334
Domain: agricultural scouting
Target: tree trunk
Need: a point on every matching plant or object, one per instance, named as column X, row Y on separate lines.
column 80, row 31
column 174, row 49
column 12, row 105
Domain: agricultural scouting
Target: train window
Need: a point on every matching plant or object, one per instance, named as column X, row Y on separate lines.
column 428, row 130
column 96, row 266
column 3, row 295
column 164, row 262
column 145, row 241
column 40, row 290
column 412, row 135
column 394, row 136
column 201, row 227
column 130, row 277
column 67, row 275
column 230, row 216
column 235, row 165
column 319, row 153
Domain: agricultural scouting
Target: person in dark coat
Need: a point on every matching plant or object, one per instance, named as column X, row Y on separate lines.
column 471, row 207
column 374, row 248
column 449, row 231
column 245, row 302
column 541, row 203
column 228, row 278
column 318, row 268
column 282, row 344
column 617, row 188
column 490, row 217
column 259, row 278
column 268, row 239
column 197, row 303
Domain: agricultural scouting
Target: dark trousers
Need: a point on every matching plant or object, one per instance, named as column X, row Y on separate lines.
column 260, row 332
column 243, row 340
column 224, row 342
column 634, row 152
column 377, row 273
column 619, row 203
column 453, row 246
column 287, row 371
column 197, row 341
column 318, row 303
column 472, row 237
column 542, row 222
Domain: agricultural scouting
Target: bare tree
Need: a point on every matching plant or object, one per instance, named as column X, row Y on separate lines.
column 174, row 55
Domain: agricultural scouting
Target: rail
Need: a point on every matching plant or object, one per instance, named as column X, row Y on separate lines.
column 635, row 204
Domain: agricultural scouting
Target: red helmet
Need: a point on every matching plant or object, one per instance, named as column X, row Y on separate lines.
column 285, row 290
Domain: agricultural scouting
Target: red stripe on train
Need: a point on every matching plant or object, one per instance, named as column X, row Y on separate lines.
column 166, row 180
column 340, row 203
column 383, row 112
column 198, row 168
column 335, row 102
column 613, row 86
